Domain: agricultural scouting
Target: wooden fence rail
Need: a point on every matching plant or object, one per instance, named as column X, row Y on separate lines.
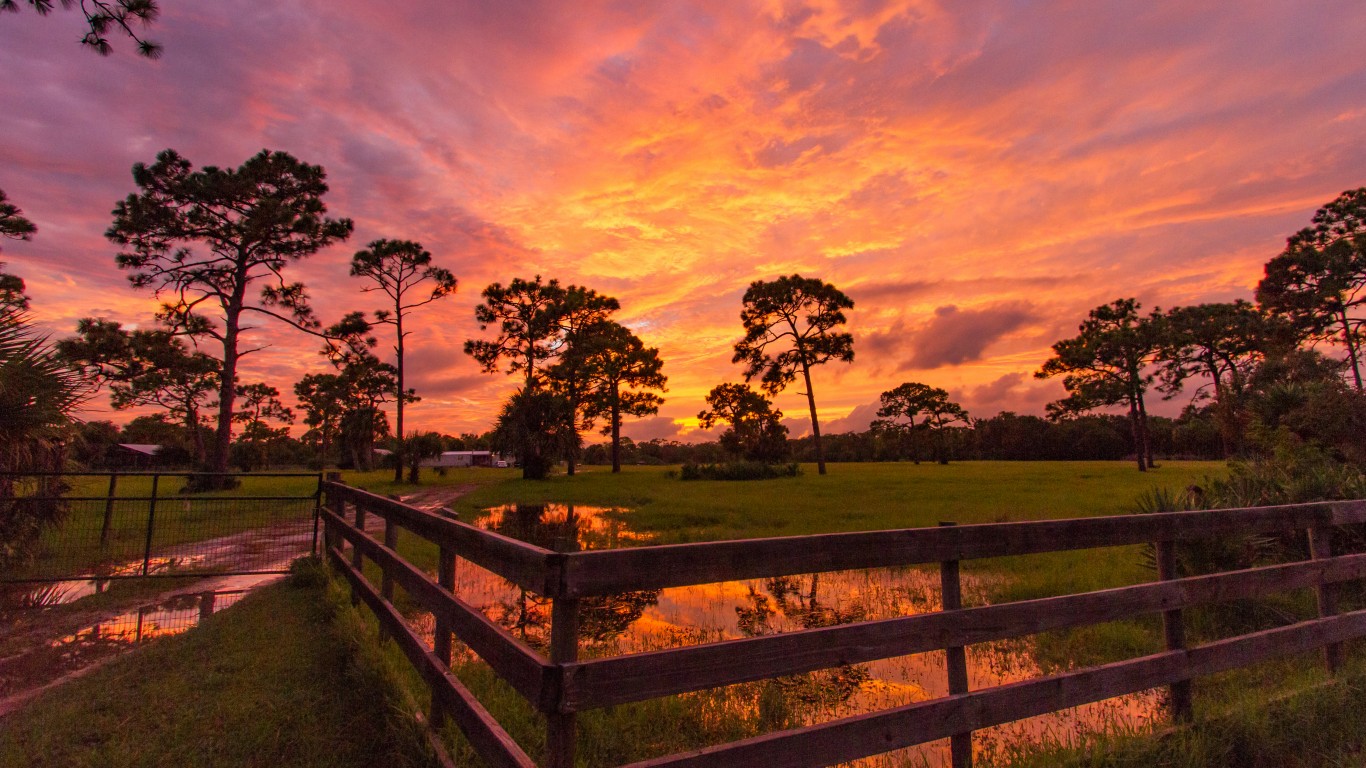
column 563, row 685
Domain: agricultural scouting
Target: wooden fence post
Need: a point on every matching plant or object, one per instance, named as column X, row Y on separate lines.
column 331, row 539
column 356, row 560
column 386, row 584
column 956, row 657
column 441, row 632
column 561, row 728
column 1174, row 631
column 1321, row 548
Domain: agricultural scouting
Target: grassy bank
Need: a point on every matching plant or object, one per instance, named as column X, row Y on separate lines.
column 284, row 678
column 1280, row 714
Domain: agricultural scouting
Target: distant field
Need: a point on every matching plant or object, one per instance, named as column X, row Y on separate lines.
column 852, row 496
column 871, row 496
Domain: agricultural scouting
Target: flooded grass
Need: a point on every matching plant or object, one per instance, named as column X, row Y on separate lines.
column 649, row 620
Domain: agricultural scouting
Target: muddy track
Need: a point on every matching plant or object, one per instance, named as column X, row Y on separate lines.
column 43, row 647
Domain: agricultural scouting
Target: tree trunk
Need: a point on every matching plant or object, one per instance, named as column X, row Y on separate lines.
column 1143, row 429
column 815, row 423
column 196, row 437
column 1137, row 429
column 616, row 430
column 398, row 404
column 1351, row 348
column 227, row 394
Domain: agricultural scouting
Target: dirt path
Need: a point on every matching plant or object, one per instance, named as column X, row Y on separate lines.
column 43, row 647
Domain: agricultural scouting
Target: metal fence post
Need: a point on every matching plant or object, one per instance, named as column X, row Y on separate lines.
column 1321, row 548
column 151, row 523
column 318, row 505
column 1174, row 631
column 956, row 657
column 109, row 509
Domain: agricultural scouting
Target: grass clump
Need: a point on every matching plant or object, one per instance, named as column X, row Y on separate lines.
column 283, row 678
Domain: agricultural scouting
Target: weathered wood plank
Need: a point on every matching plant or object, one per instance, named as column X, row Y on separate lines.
column 672, row 565
column 636, row 677
column 487, row 737
column 523, row 564
column 523, row 669
column 862, row 736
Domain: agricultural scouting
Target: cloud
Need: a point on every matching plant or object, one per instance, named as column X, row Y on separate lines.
column 976, row 175
column 857, row 420
column 954, row 336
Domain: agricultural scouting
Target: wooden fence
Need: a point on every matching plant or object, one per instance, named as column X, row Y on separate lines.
column 561, row 686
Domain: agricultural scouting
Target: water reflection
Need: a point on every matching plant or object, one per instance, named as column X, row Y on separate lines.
column 54, row 593
column 564, row 528
column 657, row 619
column 46, row 662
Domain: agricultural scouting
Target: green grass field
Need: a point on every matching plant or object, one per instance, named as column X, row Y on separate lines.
column 1231, row 719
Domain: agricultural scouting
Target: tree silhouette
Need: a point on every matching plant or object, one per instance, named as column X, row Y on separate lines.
column 146, row 367
column 1105, row 365
column 1223, row 343
column 366, row 383
column 423, row 445
column 1319, row 280
column 252, row 223
column 619, row 370
column 12, row 223
column 323, row 396
column 527, row 315
column 102, row 17
column 259, row 405
column 756, row 431
column 15, row 227
column 932, row 405
column 13, row 291
column 583, row 313
column 536, row 426
column 789, row 327
column 397, row 268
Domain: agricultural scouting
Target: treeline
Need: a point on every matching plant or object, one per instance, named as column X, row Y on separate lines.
column 1004, row 437
column 217, row 247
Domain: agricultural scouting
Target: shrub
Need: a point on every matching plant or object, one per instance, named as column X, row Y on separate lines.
column 738, row 470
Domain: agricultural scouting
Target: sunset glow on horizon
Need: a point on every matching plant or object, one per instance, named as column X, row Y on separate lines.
column 976, row 176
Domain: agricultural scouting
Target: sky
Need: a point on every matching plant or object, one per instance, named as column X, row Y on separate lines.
column 975, row 175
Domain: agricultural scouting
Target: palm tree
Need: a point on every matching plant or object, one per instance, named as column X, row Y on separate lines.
column 37, row 396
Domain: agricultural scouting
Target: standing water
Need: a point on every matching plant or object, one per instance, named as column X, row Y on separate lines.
column 649, row 620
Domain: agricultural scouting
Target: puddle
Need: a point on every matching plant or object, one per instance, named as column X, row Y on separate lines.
column 53, row 651
column 46, row 663
column 56, row 593
column 656, row 619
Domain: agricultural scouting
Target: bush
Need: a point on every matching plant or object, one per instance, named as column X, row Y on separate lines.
column 738, row 470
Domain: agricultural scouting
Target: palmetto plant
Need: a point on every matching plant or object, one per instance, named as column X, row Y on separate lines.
column 37, row 395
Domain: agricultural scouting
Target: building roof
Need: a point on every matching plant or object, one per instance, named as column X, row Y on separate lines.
column 150, row 450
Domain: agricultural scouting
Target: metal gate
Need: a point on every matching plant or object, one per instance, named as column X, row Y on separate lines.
column 119, row 525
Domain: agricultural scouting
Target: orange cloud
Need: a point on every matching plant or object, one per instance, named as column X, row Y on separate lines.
column 920, row 155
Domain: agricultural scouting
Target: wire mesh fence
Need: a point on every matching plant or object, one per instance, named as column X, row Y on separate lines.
column 113, row 525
